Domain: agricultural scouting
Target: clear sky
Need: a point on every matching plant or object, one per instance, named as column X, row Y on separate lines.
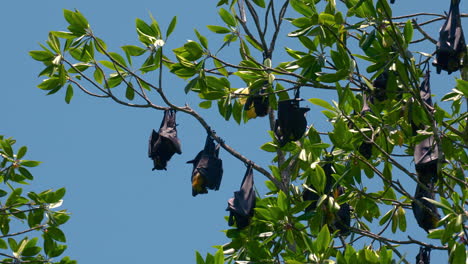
column 121, row 210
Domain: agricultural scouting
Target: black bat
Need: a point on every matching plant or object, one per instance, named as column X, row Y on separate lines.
column 365, row 149
column 380, row 85
column 424, row 255
column 308, row 195
column 451, row 47
column 207, row 169
column 342, row 219
column 392, row 1
column 426, row 152
column 164, row 144
column 291, row 123
column 241, row 206
column 426, row 213
column 257, row 105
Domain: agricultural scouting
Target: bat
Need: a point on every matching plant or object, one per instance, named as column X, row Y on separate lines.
column 241, row 206
column 207, row 169
column 380, row 85
column 257, row 105
column 424, row 255
column 392, row 1
column 365, row 149
column 164, row 144
column 426, row 213
column 426, row 156
column 308, row 195
column 341, row 220
column 426, row 152
column 291, row 123
column 451, row 46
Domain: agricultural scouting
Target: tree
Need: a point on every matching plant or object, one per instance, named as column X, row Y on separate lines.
column 38, row 210
column 328, row 191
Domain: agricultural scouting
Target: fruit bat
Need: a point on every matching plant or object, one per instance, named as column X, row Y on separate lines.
column 241, row 206
column 341, row 220
column 424, row 255
column 308, row 195
column 451, row 47
column 207, row 169
column 365, row 149
column 257, row 105
column 291, row 123
column 380, row 85
column 164, row 144
column 426, row 213
column 426, row 153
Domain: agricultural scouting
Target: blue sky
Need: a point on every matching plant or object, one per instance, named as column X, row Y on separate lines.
column 121, row 210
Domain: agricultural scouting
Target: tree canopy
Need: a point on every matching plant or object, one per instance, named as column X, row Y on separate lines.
column 335, row 195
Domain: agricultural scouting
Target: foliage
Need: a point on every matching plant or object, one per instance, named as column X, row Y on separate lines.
column 27, row 220
column 345, row 47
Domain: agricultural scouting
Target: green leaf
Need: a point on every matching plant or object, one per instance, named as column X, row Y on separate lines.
column 130, row 92
column 323, row 239
column 227, row 17
column 30, row 163
column 13, row 244
column 458, row 255
column 326, row 19
column 401, row 219
column 69, row 94
column 144, row 28
column 320, row 179
column 269, row 147
column 171, row 26
column 283, row 203
column 199, row 258
column 322, row 103
column 195, row 50
column 133, row 50
column 218, row 29
column 3, row 244
column 63, row 34
column 116, row 57
column 42, row 55
column 408, row 31
column 205, row 104
column 220, row 67
column 202, row 39
column 98, row 75
column 302, row 8
column 219, row 256
column 56, row 234
column 462, row 86
column 333, row 77
column 260, row 3
column 6, row 147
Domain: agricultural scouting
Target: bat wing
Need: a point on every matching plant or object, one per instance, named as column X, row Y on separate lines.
column 215, row 170
column 152, row 141
column 242, row 206
column 426, row 152
column 426, row 213
column 424, row 255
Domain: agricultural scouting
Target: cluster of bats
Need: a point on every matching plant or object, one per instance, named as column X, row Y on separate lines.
column 291, row 125
column 207, row 169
